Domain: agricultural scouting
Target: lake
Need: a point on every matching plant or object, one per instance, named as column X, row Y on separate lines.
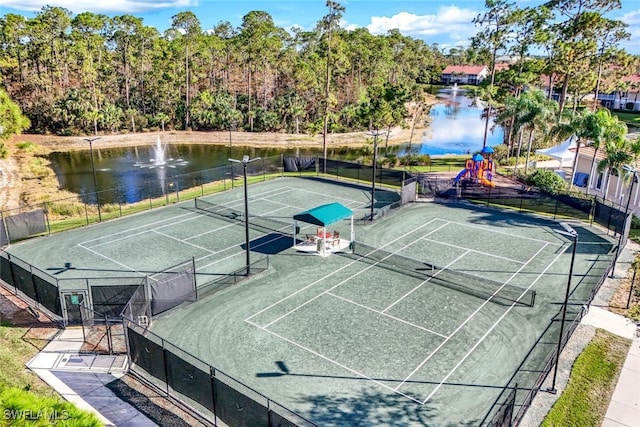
column 457, row 127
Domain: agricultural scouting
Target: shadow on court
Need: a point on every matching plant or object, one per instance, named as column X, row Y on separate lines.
column 371, row 407
column 269, row 244
column 283, row 370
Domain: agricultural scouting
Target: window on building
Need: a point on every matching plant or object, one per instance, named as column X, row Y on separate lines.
column 599, row 180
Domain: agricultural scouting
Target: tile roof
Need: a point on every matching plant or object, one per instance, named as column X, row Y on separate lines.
column 464, row 69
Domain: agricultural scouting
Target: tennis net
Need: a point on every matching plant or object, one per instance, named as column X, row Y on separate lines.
column 260, row 223
column 477, row 286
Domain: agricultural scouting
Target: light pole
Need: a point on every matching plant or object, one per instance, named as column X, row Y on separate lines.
column 568, row 231
column 93, row 168
column 632, row 171
column 245, row 161
column 375, row 133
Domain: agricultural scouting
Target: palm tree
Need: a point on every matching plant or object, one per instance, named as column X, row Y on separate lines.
column 539, row 113
column 605, row 127
column 586, row 126
column 617, row 155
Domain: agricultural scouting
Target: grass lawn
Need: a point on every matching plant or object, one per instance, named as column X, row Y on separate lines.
column 593, row 378
column 25, row 400
column 632, row 119
column 443, row 164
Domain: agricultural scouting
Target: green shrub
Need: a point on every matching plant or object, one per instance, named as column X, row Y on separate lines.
column 416, row 160
column 634, row 313
column 3, row 151
column 27, row 146
column 61, row 209
column 547, row 181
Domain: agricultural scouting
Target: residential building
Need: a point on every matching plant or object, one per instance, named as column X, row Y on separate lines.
column 623, row 99
column 464, row 74
column 588, row 177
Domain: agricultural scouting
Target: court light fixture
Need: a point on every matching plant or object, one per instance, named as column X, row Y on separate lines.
column 567, row 230
column 375, row 133
column 245, row 161
column 93, row 168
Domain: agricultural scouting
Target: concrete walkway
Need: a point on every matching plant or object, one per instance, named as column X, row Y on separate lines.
column 624, row 408
column 82, row 379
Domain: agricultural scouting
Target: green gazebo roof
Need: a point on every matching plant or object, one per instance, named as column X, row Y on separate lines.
column 324, row 215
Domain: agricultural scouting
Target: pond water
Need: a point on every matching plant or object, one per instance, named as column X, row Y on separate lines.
column 140, row 171
column 457, row 127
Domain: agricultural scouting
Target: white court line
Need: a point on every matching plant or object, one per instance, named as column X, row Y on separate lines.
column 472, row 250
column 469, row 318
column 236, row 253
column 172, row 219
column 327, row 195
column 506, row 234
column 343, row 282
column 489, row 331
column 332, row 273
column 360, row 374
column 130, row 230
column 420, row 285
column 112, row 260
column 151, row 230
column 387, row 315
column 184, row 241
column 234, row 224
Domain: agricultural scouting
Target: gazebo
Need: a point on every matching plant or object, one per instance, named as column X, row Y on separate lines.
column 323, row 242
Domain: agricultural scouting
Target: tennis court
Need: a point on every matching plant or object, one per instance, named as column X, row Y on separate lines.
column 424, row 323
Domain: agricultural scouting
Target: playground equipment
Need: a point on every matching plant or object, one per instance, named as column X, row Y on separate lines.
column 479, row 169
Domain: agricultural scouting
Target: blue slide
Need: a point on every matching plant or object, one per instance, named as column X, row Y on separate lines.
column 460, row 175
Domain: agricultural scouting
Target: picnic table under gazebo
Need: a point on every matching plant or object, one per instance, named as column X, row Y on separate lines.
column 323, row 240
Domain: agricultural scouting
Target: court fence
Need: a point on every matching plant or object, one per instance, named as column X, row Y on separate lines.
column 531, row 200
column 541, row 358
column 103, row 334
column 211, row 392
column 91, row 207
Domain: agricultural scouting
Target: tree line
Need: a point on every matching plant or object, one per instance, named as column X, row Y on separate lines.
column 90, row 73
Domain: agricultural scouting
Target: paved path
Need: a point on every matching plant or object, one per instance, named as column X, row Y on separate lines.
column 82, row 379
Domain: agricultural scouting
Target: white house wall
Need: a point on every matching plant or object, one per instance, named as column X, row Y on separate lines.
column 618, row 190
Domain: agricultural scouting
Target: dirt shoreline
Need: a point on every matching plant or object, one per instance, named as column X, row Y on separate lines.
column 13, row 185
column 250, row 139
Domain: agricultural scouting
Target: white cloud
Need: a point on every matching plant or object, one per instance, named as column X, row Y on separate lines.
column 114, row 6
column 631, row 18
column 450, row 20
column 346, row 25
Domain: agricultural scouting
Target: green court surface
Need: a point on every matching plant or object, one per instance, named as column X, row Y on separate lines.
column 349, row 341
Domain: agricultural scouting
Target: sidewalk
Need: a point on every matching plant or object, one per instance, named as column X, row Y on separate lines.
column 82, row 379
column 624, row 407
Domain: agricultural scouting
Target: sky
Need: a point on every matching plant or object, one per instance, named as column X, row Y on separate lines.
column 445, row 22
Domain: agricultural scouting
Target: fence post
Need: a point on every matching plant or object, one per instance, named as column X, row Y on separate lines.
column 212, row 377
column 109, row 339
column 46, row 216
column 195, row 281
column 164, row 361
column 84, row 203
